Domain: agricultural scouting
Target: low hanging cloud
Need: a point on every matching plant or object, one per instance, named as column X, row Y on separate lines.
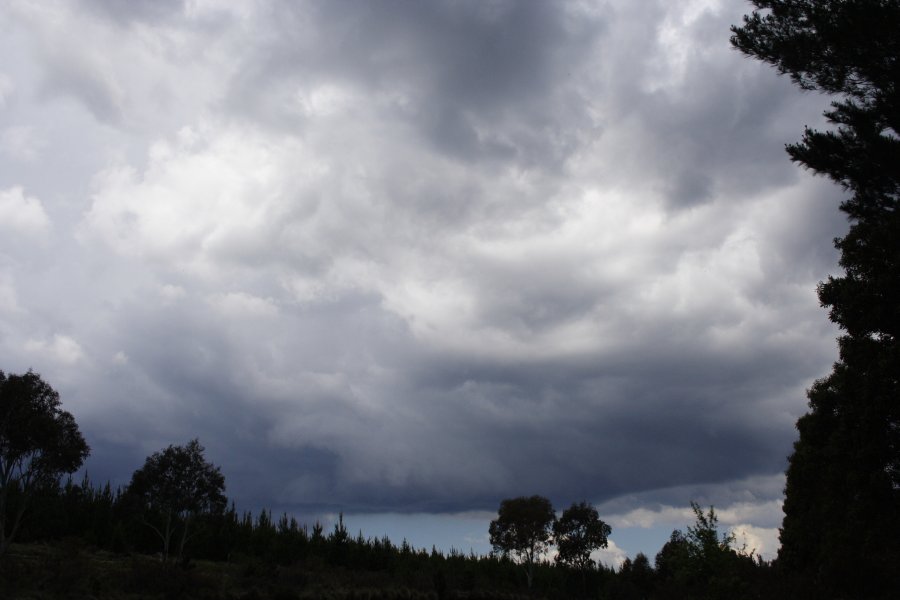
column 420, row 257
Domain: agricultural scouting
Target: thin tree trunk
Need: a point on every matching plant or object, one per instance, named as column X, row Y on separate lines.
column 3, row 543
column 6, row 539
column 184, row 537
column 168, row 538
column 15, row 527
column 163, row 534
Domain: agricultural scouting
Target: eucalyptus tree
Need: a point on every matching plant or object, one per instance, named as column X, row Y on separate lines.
column 578, row 532
column 174, row 486
column 523, row 528
column 39, row 442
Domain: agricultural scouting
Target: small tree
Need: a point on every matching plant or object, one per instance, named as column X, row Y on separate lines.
column 703, row 537
column 639, row 575
column 523, row 527
column 174, row 486
column 38, row 443
column 673, row 560
column 578, row 532
column 702, row 562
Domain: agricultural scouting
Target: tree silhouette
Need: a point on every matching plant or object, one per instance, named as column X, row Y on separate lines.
column 174, row 486
column 701, row 562
column 523, row 528
column 843, row 478
column 577, row 533
column 38, row 443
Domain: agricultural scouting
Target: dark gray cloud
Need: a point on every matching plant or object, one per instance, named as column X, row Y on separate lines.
column 477, row 81
column 417, row 256
column 128, row 11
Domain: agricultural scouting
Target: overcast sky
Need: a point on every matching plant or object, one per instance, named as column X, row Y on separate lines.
column 406, row 259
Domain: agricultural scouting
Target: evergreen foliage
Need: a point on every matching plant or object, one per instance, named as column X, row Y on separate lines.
column 841, row 530
column 244, row 555
column 702, row 563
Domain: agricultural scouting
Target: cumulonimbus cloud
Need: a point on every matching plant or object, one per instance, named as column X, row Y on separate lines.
column 405, row 257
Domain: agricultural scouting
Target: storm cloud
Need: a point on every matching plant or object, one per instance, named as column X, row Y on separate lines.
column 415, row 257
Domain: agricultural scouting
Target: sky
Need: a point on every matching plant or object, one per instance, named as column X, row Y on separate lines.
column 402, row 260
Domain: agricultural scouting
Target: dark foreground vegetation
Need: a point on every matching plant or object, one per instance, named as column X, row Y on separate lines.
column 171, row 534
column 88, row 541
column 841, row 529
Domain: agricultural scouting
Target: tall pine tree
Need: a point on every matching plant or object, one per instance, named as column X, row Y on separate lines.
column 841, row 530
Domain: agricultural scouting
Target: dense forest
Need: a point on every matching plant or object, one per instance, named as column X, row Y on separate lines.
column 91, row 541
column 172, row 533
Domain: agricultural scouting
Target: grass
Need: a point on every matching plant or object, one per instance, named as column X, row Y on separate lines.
column 71, row 570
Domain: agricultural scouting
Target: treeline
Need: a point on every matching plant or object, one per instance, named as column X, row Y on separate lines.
column 174, row 515
column 280, row 557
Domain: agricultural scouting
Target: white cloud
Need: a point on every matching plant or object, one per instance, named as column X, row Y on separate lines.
column 647, row 518
column 760, row 541
column 21, row 214
column 61, row 348
column 751, row 512
column 206, row 200
column 750, row 509
column 327, row 100
column 678, row 45
column 732, row 514
column 611, row 556
column 242, row 305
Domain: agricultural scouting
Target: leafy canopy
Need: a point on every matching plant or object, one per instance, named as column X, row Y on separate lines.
column 38, row 443
column 175, row 485
column 179, row 480
column 523, row 527
column 578, row 532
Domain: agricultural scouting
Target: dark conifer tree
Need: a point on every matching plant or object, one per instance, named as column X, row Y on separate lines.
column 841, row 531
